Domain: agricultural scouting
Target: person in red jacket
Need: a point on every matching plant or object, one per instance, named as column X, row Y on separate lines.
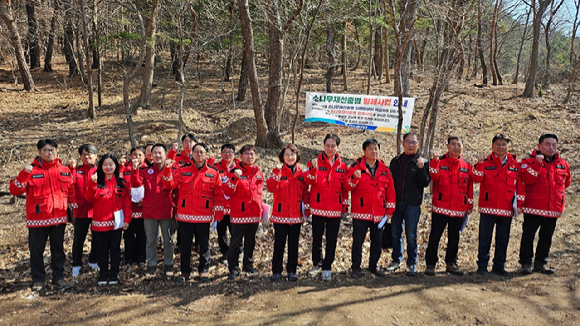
column 372, row 200
column 186, row 155
column 49, row 188
column 291, row 198
column 134, row 237
column 225, row 166
column 200, row 202
column 157, row 209
column 84, row 214
column 501, row 185
column 111, row 198
column 546, row 176
column 452, row 201
column 244, row 188
column 328, row 201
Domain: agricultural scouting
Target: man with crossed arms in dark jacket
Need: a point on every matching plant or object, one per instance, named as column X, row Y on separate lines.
column 411, row 175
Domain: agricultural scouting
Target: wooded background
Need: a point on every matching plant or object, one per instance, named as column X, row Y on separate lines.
column 484, row 42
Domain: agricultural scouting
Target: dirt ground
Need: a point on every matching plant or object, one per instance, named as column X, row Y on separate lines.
column 58, row 110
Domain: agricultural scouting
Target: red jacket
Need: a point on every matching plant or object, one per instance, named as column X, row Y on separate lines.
column 245, row 195
column 49, row 191
column 180, row 159
column 201, row 195
column 224, row 171
column 545, row 185
column 328, row 194
column 371, row 198
column 136, row 208
column 500, row 183
column 290, row 193
column 82, row 176
column 158, row 201
column 452, row 185
column 107, row 201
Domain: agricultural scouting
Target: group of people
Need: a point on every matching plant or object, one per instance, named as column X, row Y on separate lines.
column 159, row 190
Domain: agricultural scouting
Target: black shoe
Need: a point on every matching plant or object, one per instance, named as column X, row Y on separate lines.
column 482, row 270
column 151, row 271
column 61, row 285
column 544, row 269
column 377, row 272
column 203, row 278
column 233, row 275
column 526, row 269
column 500, row 271
column 430, row 270
column 355, row 273
column 114, row 280
column 292, row 277
column 276, row 278
column 168, row 270
column 183, row 278
column 454, row 269
column 250, row 270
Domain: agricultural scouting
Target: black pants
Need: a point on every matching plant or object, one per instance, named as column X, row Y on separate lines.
column 332, row 226
column 81, row 230
column 36, row 242
column 222, row 228
column 502, row 237
column 247, row 234
column 547, row 225
column 135, row 242
column 281, row 233
column 109, row 246
column 359, row 233
column 438, row 224
column 187, row 231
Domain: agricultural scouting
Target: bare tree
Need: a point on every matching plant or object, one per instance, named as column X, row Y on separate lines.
column 33, row 46
column 149, row 69
column 574, row 57
column 51, row 37
column 6, row 16
column 538, row 9
column 479, row 43
column 91, row 113
column 69, row 38
column 454, row 20
column 330, row 40
column 402, row 31
column 524, row 33
column 554, row 7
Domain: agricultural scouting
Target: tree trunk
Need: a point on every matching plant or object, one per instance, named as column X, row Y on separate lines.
column 248, row 35
column 491, row 47
column 515, row 81
column 149, row 71
column 536, row 29
column 330, row 38
column 358, row 57
column 479, row 44
column 228, row 69
column 276, row 54
column 97, row 64
column 128, row 78
column 370, row 65
column 243, row 83
column 50, row 42
column 378, row 56
column 496, row 68
column 69, row 39
column 387, row 61
column 33, row 47
column 16, row 42
column 344, row 64
column 80, row 49
column 91, row 113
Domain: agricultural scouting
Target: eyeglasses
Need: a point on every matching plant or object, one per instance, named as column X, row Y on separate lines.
column 410, row 142
column 49, row 150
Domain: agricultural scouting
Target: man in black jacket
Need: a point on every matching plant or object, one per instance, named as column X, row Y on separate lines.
column 411, row 175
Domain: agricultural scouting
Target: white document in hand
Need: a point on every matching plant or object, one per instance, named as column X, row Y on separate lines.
column 119, row 219
column 265, row 212
column 137, row 194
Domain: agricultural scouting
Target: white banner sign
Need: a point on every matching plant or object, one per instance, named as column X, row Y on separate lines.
column 378, row 113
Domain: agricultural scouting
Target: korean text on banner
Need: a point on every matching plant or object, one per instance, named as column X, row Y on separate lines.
column 378, row 113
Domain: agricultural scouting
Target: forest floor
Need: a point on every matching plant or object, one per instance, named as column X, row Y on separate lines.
column 58, row 110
